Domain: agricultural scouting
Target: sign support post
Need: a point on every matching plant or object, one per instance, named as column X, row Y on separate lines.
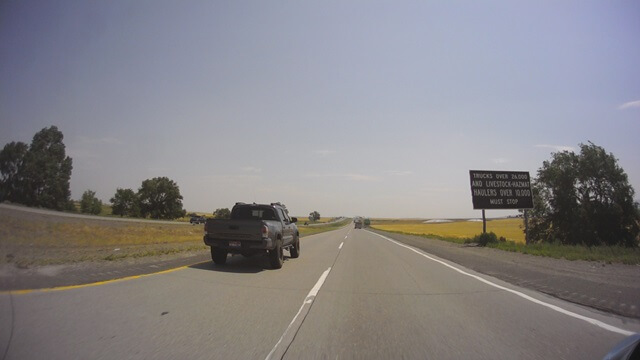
column 501, row 190
column 484, row 223
column 526, row 227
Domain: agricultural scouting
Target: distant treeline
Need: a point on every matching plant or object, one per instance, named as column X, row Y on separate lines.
column 38, row 175
column 579, row 199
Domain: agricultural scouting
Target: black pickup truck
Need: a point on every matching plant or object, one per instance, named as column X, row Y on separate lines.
column 253, row 229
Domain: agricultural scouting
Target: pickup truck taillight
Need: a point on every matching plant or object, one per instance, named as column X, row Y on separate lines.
column 265, row 231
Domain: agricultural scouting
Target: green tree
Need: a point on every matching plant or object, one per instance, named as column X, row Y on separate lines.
column 584, row 199
column 11, row 168
column 314, row 216
column 160, row 198
column 46, row 172
column 90, row 204
column 125, row 203
column 222, row 213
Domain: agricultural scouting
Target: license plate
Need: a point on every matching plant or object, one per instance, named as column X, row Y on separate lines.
column 234, row 244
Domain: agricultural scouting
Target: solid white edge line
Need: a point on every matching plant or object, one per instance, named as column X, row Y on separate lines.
column 308, row 300
column 340, row 247
column 524, row 296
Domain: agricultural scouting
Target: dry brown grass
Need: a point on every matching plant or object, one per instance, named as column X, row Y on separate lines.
column 34, row 239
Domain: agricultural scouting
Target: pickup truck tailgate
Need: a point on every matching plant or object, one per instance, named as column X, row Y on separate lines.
column 250, row 230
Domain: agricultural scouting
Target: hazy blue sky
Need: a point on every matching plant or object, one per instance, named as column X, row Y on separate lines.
column 374, row 108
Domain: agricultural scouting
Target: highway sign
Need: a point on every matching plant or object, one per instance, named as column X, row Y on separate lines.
column 501, row 189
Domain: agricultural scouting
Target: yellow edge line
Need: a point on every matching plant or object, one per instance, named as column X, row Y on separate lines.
column 70, row 287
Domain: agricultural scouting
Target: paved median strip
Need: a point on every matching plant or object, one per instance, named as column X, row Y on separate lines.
column 97, row 283
column 524, row 296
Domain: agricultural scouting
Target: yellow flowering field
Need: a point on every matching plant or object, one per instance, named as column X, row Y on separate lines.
column 511, row 229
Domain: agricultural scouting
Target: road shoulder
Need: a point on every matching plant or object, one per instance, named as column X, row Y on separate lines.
column 13, row 278
column 614, row 288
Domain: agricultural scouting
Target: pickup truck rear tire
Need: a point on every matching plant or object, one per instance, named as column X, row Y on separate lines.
column 276, row 256
column 219, row 256
column 295, row 249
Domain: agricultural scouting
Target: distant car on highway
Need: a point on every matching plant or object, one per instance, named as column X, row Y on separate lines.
column 197, row 220
column 253, row 229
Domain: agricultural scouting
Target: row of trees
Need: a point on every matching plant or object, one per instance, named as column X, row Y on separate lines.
column 222, row 213
column 584, row 199
column 225, row 213
column 157, row 198
column 579, row 199
column 39, row 174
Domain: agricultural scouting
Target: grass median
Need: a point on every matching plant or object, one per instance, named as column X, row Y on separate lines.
column 311, row 230
column 35, row 239
column 32, row 240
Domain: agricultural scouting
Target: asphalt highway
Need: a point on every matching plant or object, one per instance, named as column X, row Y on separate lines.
column 352, row 294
